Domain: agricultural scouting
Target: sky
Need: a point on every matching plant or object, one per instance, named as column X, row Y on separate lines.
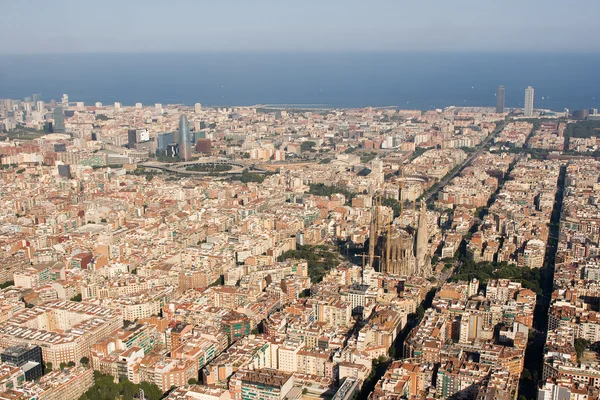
column 107, row 26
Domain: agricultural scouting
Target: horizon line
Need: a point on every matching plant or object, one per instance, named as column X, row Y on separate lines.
column 310, row 51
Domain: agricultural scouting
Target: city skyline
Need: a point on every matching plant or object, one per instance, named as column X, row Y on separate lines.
column 58, row 111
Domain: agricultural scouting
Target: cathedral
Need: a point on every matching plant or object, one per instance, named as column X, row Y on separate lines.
column 408, row 249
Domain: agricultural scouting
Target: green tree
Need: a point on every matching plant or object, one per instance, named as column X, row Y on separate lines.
column 151, row 391
column 84, row 361
column 580, row 346
column 247, row 176
column 307, row 146
column 6, row 284
column 319, row 189
column 319, row 259
column 192, row 381
column 394, row 204
column 76, row 298
column 365, row 158
column 48, row 366
column 128, row 389
column 420, row 312
column 62, row 365
column 105, row 388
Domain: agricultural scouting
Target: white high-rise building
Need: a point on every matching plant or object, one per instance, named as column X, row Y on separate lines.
column 473, row 287
column 39, row 105
column 138, row 105
column 288, row 355
column 65, row 98
column 197, row 108
column 117, row 105
column 528, row 109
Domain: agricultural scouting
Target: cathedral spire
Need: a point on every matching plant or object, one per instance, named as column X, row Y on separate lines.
column 422, row 239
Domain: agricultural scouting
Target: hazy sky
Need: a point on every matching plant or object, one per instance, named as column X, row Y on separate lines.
column 297, row 25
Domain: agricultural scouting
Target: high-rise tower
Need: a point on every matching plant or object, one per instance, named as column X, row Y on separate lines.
column 185, row 149
column 421, row 245
column 528, row 109
column 59, row 120
column 500, row 99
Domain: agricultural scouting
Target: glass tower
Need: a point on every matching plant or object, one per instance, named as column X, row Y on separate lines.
column 59, row 120
column 500, row 99
column 185, row 149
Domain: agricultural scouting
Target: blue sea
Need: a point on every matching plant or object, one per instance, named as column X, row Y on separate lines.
column 404, row 80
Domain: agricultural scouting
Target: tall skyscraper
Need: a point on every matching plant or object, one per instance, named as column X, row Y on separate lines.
column 59, row 120
column 185, row 150
column 164, row 139
column 528, row 109
column 131, row 138
column 500, row 99
column 197, row 108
